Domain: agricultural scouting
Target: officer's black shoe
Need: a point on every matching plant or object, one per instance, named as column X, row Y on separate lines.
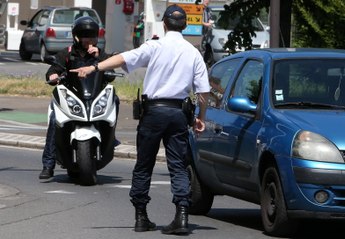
column 46, row 173
column 142, row 222
column 179, row 226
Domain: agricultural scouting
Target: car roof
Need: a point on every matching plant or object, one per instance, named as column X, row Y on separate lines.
column 220, row 7
column 277, row 53
column 64, row 7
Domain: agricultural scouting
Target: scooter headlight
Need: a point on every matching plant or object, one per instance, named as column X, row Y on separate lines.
column 101, row 104
column 73, row 105
column 70, row 101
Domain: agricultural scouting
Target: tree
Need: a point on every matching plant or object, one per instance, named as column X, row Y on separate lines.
column 246, row 10
column 319, row 23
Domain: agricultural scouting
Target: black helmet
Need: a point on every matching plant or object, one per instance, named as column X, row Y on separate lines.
column 85, row 27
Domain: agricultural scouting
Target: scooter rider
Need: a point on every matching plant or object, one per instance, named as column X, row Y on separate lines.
column 83, row 52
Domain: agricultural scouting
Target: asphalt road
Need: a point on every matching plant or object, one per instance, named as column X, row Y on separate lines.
column 59, row 208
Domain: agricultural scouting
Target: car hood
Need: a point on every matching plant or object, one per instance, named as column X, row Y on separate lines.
column 330, row 124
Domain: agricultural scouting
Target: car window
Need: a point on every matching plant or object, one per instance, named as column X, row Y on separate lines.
column 223, row 21
column 40, row 18
column 248, row 83
column 219, row 78
column 309, row 81
column 44, row 18
column 67, row 16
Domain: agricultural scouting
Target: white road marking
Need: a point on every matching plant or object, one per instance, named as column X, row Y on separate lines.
column 152, row 184
column 161, row 182
column 10, row 59
column 59, row 192
column 122, row 186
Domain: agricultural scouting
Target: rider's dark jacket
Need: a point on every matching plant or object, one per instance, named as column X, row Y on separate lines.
column 71, row 58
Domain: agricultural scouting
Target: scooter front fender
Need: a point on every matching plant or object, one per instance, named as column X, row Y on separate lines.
column 85, row 133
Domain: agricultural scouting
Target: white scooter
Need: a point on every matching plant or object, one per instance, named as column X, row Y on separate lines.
column 85, row 112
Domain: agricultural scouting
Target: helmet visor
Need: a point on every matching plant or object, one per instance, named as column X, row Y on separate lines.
column 88, row 40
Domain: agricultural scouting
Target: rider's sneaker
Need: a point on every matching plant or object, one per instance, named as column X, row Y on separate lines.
column 46, row 173
column 117, row 142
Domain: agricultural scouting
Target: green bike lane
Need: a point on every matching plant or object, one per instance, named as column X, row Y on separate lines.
column 23, row 123
column 23, row 117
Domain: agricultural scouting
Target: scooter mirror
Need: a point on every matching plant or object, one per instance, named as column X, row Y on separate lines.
column 51, row 60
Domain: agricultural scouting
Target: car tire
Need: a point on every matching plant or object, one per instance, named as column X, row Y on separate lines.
column 43, row 52
column 24, row 55
column 273, row 208
column 201, row 197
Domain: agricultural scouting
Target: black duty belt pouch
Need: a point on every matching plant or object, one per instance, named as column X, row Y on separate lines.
column 137, row 107
column 188, row 108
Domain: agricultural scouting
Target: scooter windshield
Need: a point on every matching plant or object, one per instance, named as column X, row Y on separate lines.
column 86, row 88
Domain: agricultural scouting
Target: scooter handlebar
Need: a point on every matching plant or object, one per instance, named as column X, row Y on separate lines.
column 56, row 81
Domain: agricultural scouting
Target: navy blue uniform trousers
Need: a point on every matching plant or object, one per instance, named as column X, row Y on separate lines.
column 170, row 125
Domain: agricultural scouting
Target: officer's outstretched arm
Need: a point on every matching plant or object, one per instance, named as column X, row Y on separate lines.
column 108, row 64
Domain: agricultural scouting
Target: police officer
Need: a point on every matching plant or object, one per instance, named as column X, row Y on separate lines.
column 83, row 51
column 174, row 68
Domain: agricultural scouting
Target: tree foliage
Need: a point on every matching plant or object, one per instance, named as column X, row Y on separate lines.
column 246, row 10
column 318, row 23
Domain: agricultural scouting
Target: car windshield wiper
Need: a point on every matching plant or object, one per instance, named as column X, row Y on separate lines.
column 308, row 105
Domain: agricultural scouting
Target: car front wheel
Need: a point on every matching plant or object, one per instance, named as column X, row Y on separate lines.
column 24, row 55
column 273, row 207
column 201, row 197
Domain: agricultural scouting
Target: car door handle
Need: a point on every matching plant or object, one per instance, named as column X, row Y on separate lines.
column 218, row 129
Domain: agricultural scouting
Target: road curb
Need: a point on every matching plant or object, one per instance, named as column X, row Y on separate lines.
column 37, row 142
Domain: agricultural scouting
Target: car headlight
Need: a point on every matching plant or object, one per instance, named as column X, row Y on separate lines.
column 265, row 44
column 101, row 104
column 312, row 146
column 222, row 41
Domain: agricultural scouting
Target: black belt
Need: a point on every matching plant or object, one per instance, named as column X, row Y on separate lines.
column 173, row 103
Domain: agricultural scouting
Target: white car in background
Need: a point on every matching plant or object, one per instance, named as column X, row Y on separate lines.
column 219, row 36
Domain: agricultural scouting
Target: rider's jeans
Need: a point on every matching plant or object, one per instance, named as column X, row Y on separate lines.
column 48, row 156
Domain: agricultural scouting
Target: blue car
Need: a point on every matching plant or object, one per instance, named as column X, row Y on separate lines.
column 275, row 136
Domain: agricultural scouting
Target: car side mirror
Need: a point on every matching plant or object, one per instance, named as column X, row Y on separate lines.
column 24, row 22
column 267, row 28
column 241, row 104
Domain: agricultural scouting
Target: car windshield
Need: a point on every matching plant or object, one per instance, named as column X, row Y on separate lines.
column 222, row 21
column 67, row 16
column 309, row 83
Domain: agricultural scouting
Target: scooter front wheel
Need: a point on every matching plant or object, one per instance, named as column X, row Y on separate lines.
column 86, row 160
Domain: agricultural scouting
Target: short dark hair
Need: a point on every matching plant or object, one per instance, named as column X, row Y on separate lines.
column 175, row 25
column 175, row 18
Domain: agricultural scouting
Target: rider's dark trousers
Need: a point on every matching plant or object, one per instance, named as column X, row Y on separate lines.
column 48, row 156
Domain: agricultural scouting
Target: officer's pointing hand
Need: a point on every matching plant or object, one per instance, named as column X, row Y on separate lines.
column 83, row 71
